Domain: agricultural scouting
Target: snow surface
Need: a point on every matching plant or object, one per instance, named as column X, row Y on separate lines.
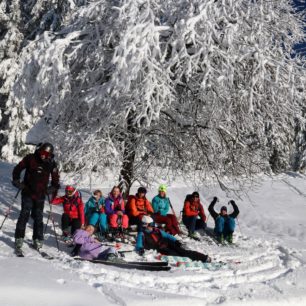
column 267, row 265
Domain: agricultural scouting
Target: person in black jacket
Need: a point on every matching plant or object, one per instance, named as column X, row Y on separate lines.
column 224, row 223
column 38, row 169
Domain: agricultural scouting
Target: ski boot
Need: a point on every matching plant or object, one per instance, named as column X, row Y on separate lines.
column 194, row 236
column 229, row 238
column 220, row 238
column 37, row 244
column 18, row 247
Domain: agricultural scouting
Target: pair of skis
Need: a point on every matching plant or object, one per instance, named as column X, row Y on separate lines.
column 19, row 253
column 138, row 265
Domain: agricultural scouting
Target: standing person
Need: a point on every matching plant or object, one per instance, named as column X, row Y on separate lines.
column 138, row 206
column 73, row 216
column 153, row 238
column 39, row 167
column 89, row 248
column 95, row 211
column 115, row 210
column 194, row 216
column 161, row 206
column 224, row 223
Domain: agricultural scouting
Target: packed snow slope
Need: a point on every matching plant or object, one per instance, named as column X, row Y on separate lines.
column 265, row 266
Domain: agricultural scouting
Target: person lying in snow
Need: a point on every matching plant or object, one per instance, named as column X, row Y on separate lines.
column 89, row 248
column 153, row 238
column 224, row 223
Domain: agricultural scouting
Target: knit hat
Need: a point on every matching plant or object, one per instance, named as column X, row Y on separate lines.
column 223, row 208
column 142, row 190
column 195, row 194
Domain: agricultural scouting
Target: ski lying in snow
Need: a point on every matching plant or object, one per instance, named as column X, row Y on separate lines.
column 212, row 266
column 138, row 265
column 186, row 262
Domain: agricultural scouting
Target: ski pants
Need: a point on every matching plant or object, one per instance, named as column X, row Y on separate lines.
column 224, row 226
column 171, row 223
column 114, row 218
column 101, row 220
column 136, row 220
column 33, row 208
column 175, row 250
column 193, row 223
column 67, row 221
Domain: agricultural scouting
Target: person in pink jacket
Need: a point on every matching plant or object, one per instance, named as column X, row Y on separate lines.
column 115, row 210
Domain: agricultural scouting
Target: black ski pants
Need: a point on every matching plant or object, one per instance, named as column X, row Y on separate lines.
column 175, row 250
column 33, row 208
column 68, row 222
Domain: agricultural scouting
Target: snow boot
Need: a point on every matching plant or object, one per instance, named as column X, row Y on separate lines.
column 37, row 244
column 76, row 250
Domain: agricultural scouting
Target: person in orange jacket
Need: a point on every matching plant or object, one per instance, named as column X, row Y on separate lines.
column 73, row 215
column 139, row 206
column 194, row 216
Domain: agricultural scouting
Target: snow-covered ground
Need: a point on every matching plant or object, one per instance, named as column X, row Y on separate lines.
column 266, row 266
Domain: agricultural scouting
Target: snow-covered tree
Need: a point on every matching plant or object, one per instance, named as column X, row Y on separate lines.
column 202, row 87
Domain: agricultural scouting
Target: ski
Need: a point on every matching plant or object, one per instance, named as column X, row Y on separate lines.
column 42, row 253
column 138, row 265
column 212, row 266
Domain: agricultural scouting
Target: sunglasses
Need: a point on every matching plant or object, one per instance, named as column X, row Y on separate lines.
column 69, row 192
column 196, row 196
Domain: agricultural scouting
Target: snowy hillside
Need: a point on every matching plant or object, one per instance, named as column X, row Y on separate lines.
column 266, row 266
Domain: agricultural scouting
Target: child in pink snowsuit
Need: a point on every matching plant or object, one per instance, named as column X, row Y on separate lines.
column 115, row 209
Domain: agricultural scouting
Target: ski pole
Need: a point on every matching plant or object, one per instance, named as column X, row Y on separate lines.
column 6, row 214
column 47, row 223
column 52, row 219
column 239, row 225
column 173, row 212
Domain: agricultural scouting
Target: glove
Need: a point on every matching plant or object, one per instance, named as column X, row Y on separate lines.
column 215, row 199
column 178, row 243
column 51, row 189
column 141, row 252
column 232, row 202
column 18, row 184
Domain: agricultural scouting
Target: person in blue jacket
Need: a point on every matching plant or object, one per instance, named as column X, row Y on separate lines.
column 95, row 212
column 153, row 238
column 161, row 206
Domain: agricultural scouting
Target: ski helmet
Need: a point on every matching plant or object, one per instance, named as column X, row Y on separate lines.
column 195, row 194
column 46, row 150
column 162, row 187
column 146, row 220
column 69, row 191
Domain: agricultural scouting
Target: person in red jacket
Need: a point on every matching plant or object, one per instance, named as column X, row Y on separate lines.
column 73, row 215
column 138, row 206
column 194, row 216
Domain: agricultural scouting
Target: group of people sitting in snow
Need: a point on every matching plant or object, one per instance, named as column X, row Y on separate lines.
column 111, row 214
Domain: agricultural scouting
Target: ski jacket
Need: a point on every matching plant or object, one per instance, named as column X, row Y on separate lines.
column 192, row 209
column 112, row 206
column 90, row 248
column 73, row 206
column 37, row 174
column 92, row 205
column 154, row 239
column 161, row 205
column 139, row 206
column 215, row 215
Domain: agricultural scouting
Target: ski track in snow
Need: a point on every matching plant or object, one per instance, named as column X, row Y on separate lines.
column 251, row 264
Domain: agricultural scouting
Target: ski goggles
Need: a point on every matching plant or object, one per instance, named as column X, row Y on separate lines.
column 69, row 192
column 44, row 154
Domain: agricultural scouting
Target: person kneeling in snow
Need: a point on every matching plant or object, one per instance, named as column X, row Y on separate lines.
column 153, row 238
column 224, row 223
column 89, row 248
